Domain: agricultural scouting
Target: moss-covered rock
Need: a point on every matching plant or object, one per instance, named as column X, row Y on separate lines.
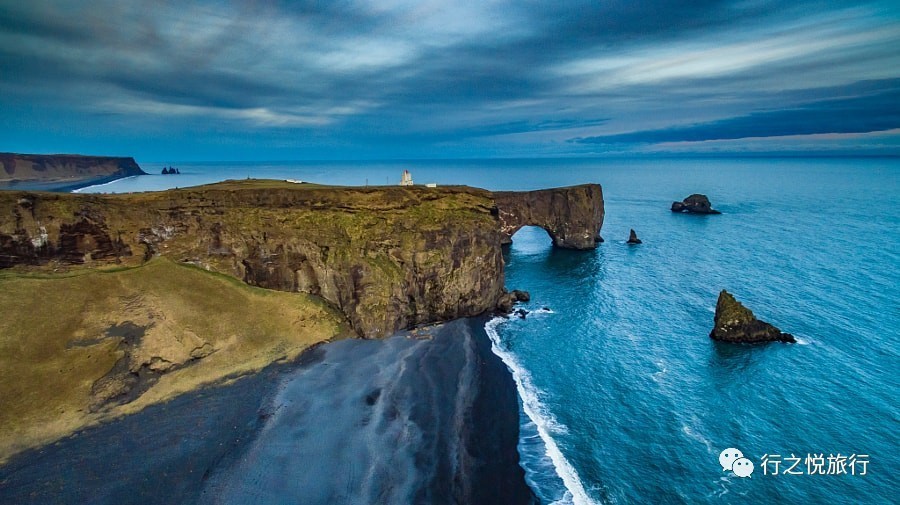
column 736, row 323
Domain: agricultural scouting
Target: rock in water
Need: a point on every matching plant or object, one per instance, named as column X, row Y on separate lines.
column 507, row 300
column 632, row 238
column 694, row 204
column 736, row 323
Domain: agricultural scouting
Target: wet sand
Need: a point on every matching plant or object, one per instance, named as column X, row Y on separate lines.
column 400, row 420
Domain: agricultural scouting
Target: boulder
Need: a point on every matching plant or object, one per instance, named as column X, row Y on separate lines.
column 633, row 238
column 736, row 323
column 694, row 204
column 505, row 303
column 521, row 296
column 507, row 300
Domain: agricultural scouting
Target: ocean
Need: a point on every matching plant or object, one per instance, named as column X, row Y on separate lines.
column 625, row 399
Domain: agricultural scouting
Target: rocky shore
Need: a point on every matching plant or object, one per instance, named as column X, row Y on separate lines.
column 432, row 419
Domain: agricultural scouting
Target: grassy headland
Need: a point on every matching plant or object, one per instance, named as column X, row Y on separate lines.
column 87, row 345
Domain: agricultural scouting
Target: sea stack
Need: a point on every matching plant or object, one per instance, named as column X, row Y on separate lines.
column 694, row 204
column 633, row 239
column 736, row 323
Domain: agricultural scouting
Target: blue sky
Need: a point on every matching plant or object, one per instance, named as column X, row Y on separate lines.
column 290, row 80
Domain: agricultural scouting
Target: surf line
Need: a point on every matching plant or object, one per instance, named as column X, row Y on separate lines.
column 88, row 189
column 535, row 411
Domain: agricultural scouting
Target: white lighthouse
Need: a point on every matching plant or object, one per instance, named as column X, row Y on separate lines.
column 406, row 179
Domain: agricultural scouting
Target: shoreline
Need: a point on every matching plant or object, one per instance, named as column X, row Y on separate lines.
column 60, row 185
column 403, row 419
column 543, row 422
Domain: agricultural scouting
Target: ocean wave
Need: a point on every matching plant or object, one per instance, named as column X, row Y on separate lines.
column 542, row 419
column 687, row 430
column 86, row 188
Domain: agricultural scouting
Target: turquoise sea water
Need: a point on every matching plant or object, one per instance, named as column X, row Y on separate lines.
column 626, row 399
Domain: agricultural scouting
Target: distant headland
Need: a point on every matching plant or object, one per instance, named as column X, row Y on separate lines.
column 62, row 172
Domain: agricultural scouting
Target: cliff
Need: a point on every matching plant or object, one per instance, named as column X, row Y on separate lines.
column 50, row 167
column 387, row 257
column 571, row 215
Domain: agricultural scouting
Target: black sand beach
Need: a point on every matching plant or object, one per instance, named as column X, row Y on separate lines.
column 59, row 186
column 400, row 420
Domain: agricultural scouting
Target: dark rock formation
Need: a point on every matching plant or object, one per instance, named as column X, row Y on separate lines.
column 572, row 215
column 507, row 300
column 389, row 258
column 694, row 204
column 32, row 167
column 521, row 296
column 633, row 238
column 736, row 323
column 85, row 238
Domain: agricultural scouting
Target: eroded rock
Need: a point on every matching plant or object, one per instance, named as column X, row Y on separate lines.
column 633, row 238
column 694, row 204
column 736, row 323
column 572, row 216
column 508, row 300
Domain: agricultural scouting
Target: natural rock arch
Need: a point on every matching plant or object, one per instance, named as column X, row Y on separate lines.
column 572, row 216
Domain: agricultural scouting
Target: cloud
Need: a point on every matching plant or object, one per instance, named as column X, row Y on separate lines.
column 879, row 111
column 446, row 78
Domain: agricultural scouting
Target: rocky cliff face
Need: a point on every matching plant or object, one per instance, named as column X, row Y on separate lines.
column 387, row 257
column 572, row 215
column 31, row 167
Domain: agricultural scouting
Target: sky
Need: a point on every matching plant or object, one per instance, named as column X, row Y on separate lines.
column 255, row 80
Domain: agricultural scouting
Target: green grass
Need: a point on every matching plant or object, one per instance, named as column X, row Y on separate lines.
column 47, row 370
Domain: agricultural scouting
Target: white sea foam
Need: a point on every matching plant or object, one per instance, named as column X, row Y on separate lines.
column 539, row 415
column 698, row 437
column 84, row 189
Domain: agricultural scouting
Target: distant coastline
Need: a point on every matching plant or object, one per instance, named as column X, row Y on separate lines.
column 62, row 185
column 62, row 173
